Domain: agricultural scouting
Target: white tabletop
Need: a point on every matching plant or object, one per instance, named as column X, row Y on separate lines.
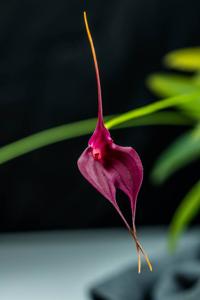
column 64, row 265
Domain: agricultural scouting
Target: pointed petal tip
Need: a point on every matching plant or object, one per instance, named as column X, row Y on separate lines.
column 139, row 249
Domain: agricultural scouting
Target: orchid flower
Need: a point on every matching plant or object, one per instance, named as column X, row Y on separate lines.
column 109, row 167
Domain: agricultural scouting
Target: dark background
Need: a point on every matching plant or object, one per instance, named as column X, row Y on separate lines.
column 47, row 79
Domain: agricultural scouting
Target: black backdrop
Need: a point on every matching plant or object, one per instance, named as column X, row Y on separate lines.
column 47, row 78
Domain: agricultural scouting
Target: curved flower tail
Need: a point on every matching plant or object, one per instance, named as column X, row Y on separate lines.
column 139, row 249
column 100, row 108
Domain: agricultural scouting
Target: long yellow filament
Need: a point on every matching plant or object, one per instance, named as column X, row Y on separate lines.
column 139, row 249
column 90, row 40
column 100, row 110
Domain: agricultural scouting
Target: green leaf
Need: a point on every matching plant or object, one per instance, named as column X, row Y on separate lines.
column 187, row 59
column 196, row 133
column 196, row 78
column 186, row 211
column 44, row 138
column 167, row 85
column 183, row 151
column 176, row 101
column 158, row 118
column 76, row 129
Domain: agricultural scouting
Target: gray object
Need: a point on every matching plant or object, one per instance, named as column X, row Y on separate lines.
column 175, row 277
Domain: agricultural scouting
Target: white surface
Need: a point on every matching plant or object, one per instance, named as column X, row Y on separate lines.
column 64, row 265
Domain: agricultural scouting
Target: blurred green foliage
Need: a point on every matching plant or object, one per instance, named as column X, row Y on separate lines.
column 187, row 59
column 187, row 147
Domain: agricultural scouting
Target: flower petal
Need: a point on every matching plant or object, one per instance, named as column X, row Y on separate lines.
column 121, row 169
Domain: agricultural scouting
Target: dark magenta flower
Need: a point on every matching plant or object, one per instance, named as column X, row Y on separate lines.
column 109, row 167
